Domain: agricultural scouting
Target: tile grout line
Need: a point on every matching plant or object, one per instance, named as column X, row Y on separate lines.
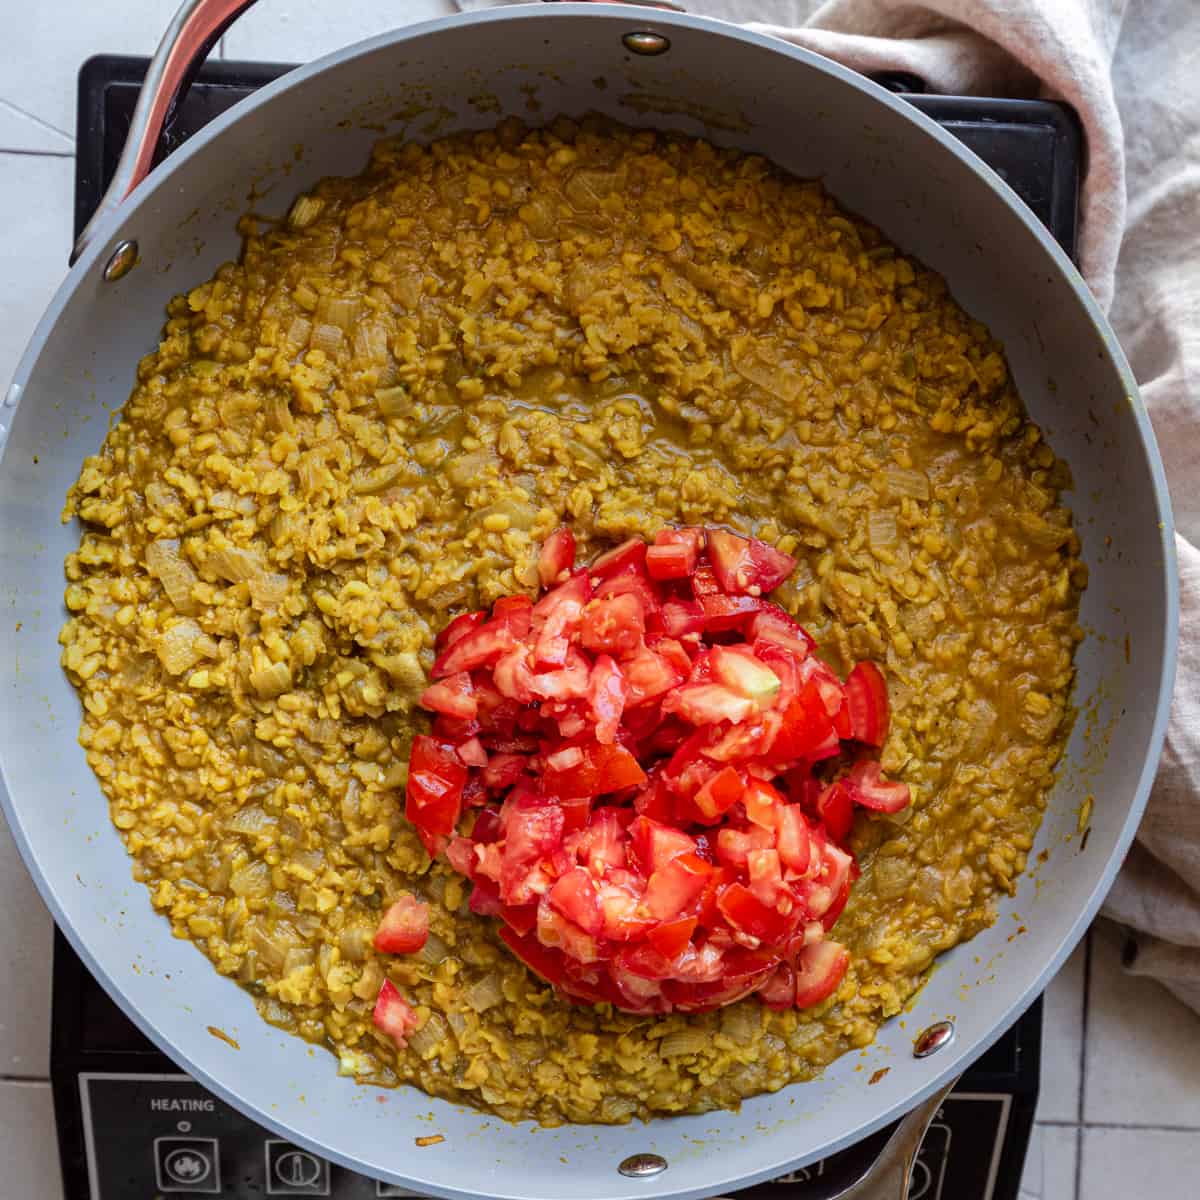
column 1083, row 1061
column 1123, row 1125
column 36, row 120
column 37, row 153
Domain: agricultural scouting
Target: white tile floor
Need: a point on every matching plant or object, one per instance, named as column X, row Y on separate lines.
column 1120, row 1106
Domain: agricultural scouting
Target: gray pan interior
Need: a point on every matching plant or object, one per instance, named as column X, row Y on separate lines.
column 881, row 159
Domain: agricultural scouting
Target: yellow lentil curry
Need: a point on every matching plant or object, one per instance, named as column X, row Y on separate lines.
column 368, row 424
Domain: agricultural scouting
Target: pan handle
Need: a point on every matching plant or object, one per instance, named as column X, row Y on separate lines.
column 889, row 1176
column 193, row 32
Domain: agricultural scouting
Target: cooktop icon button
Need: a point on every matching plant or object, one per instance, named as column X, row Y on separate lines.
column 189, row 1165
column 294, row 1172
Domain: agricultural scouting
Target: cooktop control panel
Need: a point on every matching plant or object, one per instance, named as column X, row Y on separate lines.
column 162, row 1135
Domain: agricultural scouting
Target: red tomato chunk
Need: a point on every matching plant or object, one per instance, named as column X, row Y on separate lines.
column 631, row 760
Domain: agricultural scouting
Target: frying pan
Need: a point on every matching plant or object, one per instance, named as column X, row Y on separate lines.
column 880, row 158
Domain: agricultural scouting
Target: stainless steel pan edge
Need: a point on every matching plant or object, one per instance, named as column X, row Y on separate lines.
column 881, row 159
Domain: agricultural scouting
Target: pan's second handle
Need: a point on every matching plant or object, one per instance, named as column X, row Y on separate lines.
column 193, row 32
column 889, row 1175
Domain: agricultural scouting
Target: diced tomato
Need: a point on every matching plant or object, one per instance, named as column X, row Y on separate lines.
column 514, row 613
column 625, row 918
column 503, row 770
column 683, row 618
column 772, row 624
column 820, row 968
column 719, row 794
column 520, row 918
column 394, row 1015
column 749, row 915
column 600, row 770
column 704, row 582
column 485, row 898
column 574, row 895
column 693, row 538
column 766, row 878
column 746, row 741
column 634, row 583
column 570, row 682
column 763, row 803
column 742, row 971
column 709, row 704
column 866, row 698
column 436, row 775
column 835, row 809
column 455, row 696
column 479, row 647
column 472, row 754
column 678, row 661
column 645, row 961
column 628, row 554
column 607, row 693
column 868, row 788
column 558, row 616
column 741, row 671
column 557, row 555
column 842, row 723
column 531, row 833
column 654, row 800
column 675, row 555
column 600, row 844
column 794, row 849
column 457, row 629
column 672, row 937
column 541, row 960
column 779, row 991
column 460, row 854
column 671, row 889
column 725, row 613
column 734, row 846
column 557, row 931
column 614, row 624
column 805, row 731
column 405, row 926
column 655, row 844
column 649, row 675
column 575, row 810
column 514, row 676
column 672, row 650
column 746, row 565
column 488, row 827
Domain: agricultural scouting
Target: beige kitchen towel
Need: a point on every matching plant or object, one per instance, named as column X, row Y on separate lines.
column 1127, row 68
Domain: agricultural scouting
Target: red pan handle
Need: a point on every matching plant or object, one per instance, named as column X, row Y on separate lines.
column 193, row 31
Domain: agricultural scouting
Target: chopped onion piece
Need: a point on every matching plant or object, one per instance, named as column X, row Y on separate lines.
column 305, row 211
column 902, row 481
column 484, row 993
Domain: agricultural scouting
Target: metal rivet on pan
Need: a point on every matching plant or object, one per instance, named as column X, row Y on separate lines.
column 930, row 1041
column 645, row 42
column 121, row 262
column 641, row 1166
column 13, row 396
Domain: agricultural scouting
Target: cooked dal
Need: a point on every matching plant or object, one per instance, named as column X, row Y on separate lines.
column 369, row 423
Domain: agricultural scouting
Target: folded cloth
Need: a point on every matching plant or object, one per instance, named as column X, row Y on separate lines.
column 1124, row 65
